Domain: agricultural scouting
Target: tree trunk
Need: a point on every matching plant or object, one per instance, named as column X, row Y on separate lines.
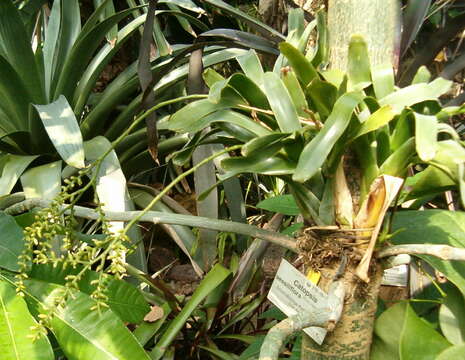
column 377, row 20
column 379, row 23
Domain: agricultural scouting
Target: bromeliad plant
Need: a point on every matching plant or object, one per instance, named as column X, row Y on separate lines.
column 344, row 144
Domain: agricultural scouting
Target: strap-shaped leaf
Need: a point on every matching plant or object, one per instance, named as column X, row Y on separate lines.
column 12, row 170
column 16, row 48
column 63, row 130
column 214, row 278
column 251, row 66
column 281, row 103
column 378, row 119
column 302, row 66
column 416, row 93
column 42, row 181
column 15, row 328
column 426, row 133
column 11, row 242
column 316, row 151
column 383, row 80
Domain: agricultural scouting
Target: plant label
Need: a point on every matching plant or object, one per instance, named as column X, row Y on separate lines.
column 293, row 293
column 396, row 276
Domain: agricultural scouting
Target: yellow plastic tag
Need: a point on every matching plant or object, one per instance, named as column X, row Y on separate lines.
column 313, row 276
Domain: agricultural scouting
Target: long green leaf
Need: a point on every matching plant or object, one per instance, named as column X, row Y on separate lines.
column 426, row 133
column 419, row 340
column 63, row 130
column 84, row 333
column 15, row 327
column 15, row 47
column 112, row 192
column 42, row 181
column 378, row 119
column 434, row 227
column 12, row 170
column 303, row 68
column 416, row 93
column 281, row 103
column 316, row 151
column 11, row 242
column 251, row 66
column 215, row 277
column 452, row 316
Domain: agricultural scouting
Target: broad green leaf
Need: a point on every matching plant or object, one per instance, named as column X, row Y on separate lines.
column 419, row 340
column 42, row 181
column 84, row 333
column 15, row 328
column 302, row 67
column 423, row 75
column 453, row 353
column 452, row 316
column 15, row 99
column 249, row 91
column 416, row 93
column 316, row 151
column 284, row 204
column 426, row 132
column 383, row 80
column 145, row 331
column 12, row 170
column 16, row 48
column 251, row 66
column 261, row 147
column 358, row 66
column 11, row 242
column 63, row 129
column 214, row 278
column 124, row 299
column 112, row 192
column 271, row 166
column 227, row 116
column 296, row 92
column 388, row 328
column 427, row 182
column 281, row 103
column 396, row 164
column 378, row 119
column 323, row 95
column 434, row 227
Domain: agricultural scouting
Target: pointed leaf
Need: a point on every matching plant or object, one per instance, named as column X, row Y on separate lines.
column 251, row 66
column 284, row 204
column 63, row 129
column 378, row 119
column 42, row 181
column 419, row 340
column 11, row 242
column 12, row 170
column 426, row 133
column 452, row 317
column 434, row 227
column 316, row 151
column 15, row 326
column 281, row 103
column 303, row 68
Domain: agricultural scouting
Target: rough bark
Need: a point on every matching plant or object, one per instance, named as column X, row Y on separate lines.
column 352, row 337
column 377, row 20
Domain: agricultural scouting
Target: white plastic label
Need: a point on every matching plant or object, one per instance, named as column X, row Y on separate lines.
column 396, row 276
column 293, row 293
